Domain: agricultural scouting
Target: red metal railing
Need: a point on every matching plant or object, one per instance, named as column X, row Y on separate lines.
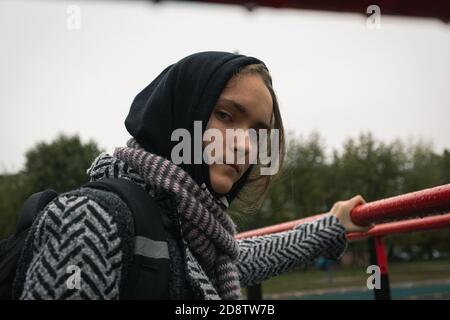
column 411, row 225
column 419, row 224
column 428, row 201
column 433, row 203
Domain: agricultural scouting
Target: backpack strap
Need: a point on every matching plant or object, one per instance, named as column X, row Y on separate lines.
column 148, row 277
column 31, row 207
column 11, row 248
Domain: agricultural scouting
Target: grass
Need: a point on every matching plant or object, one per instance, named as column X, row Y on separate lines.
column 355, row 277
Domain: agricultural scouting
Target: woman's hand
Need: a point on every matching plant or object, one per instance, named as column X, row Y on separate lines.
column 342, row 209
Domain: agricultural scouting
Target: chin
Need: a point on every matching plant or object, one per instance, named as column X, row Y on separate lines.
column 221, row 182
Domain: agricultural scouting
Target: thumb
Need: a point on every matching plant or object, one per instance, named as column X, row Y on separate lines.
column 358, row 228
column 356, row 200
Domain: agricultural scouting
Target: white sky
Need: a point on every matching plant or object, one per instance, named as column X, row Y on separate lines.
column 332, row 74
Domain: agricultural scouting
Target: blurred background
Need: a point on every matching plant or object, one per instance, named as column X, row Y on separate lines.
column 364, row 90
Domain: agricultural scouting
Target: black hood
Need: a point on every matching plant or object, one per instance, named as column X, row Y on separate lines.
column 182, row 93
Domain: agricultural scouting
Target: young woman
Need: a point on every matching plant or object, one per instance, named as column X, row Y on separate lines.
column 92, row 229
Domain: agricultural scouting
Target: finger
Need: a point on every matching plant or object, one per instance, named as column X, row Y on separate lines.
column 370, row 226
column 356, row 200
column 363, row 228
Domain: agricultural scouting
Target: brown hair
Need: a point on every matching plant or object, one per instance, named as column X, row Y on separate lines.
column 251, row 196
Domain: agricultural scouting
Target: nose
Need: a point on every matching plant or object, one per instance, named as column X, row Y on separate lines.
column 243, row 145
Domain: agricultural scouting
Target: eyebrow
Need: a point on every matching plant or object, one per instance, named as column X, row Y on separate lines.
column 244, row 111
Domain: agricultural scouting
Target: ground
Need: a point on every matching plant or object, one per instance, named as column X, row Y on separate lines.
column 409, row 280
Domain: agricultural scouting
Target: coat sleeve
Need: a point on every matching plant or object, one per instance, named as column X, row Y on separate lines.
column 74, row 252
column 266, row 256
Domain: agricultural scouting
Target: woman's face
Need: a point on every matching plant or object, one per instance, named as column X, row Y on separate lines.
column 245, row 103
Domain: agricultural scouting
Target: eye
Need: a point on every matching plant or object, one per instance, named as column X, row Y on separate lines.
column 221, row 115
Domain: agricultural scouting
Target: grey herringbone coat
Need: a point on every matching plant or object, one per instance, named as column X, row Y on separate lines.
column 93, row 230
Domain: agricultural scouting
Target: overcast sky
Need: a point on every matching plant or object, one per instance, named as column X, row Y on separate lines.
column 332, row 73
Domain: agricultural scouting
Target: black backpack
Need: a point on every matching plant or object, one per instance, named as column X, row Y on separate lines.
column 148, row 274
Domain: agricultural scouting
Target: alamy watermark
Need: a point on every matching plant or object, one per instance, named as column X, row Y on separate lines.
column 374, row 280
column 73, row 21
column 374, row 20
column 74, row 280
column 213, row 153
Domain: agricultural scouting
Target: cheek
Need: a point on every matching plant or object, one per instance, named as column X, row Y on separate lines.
column 213, row 172
column 214, row 124
column 220, row 181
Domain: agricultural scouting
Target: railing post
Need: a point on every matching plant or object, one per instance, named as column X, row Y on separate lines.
column 378, row 257
column 254, row 292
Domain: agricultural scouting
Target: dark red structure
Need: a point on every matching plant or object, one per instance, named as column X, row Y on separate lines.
column 439, row 9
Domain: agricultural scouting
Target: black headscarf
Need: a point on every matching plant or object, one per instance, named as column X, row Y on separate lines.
column 182, row 93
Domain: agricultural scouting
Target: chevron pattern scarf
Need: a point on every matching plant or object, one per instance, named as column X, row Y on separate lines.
column 206, row 227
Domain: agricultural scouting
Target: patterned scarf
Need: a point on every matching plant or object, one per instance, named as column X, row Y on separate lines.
column 206, row 227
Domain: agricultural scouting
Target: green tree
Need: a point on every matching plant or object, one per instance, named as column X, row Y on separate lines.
column 368, row 167
column 445, row 167
column 12, row 196
column 312, row 182
column 60, row 165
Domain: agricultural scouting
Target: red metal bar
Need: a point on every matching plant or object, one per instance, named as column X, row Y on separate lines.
column 378, row 257
column 411, row 225
column 418, row 224
column 427, row 201
column 380, row 254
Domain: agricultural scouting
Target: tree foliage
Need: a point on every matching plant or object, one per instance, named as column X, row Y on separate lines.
column 60, row 165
